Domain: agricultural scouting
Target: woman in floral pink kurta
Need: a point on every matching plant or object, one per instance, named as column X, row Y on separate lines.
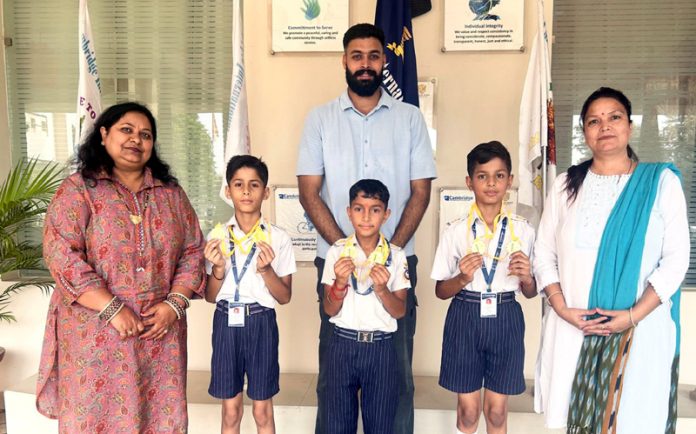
column 92, row 378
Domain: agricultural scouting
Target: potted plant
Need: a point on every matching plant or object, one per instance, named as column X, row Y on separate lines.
column 24, row 197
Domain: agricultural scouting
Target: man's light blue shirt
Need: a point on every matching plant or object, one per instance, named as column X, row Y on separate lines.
column 390, row 144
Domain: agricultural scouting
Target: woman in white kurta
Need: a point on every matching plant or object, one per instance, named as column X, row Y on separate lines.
column 566, row 250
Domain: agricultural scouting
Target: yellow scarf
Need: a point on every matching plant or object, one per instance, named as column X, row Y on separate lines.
column 378, row 256
column 255, row 234
column 480, row 244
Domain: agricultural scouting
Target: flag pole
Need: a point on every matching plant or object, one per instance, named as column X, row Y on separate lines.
column 544, row 175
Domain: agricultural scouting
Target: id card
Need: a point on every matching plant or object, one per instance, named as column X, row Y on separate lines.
column 236, row 314
column 489, row 305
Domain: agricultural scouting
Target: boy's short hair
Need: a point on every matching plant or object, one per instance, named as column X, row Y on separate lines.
column 362, row 31
column 484, row 153
column 370, row 188
column 239, row 161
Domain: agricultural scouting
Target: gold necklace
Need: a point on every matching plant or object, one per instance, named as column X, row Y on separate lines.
column 136, row 218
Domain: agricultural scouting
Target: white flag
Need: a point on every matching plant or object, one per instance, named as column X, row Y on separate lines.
column 89, row 86
column 536, row 128
column 237, row 140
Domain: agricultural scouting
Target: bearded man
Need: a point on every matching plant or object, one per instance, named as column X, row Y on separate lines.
column 365, row 133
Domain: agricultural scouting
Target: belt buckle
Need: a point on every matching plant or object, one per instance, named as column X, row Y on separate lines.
column 366, row 337
column 248, row 310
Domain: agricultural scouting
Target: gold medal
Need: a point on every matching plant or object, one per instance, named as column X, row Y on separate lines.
column 478, row 246
column 218, row 233
column 378, row 256
column 514, row 246
column 136, row 219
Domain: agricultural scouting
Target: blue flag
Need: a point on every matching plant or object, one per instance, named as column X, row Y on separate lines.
column 400, row 75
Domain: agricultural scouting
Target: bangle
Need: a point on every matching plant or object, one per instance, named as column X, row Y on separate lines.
column 212, row 273
column 107, row 306
column 174, row 295
column 548, row 297
column 112, row 308
column 178, row 310
column 118, row 309
column 630, row 316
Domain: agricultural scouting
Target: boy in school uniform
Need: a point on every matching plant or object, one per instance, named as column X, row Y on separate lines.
column 365, row 279
column 250, row 263
column 482, row 261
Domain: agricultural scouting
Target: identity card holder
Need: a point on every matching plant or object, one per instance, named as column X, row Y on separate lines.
column 236, row 313
column 489, row 305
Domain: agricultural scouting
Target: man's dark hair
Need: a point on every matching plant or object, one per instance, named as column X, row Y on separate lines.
column 239, row 161
column 372, row 189
column 362, row 31
column 484, row 153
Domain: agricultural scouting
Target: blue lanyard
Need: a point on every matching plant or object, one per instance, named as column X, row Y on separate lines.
column 354, row 281
column 488, row 277
column 238, row 276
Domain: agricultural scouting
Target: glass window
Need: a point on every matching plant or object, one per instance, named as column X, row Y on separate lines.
column 175, row 57
column 646, row 49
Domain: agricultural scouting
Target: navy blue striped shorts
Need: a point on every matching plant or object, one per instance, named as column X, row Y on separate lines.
column 483, row 352
column 250, row 350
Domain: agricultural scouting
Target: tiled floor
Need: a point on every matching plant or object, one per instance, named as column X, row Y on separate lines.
column 295, row 409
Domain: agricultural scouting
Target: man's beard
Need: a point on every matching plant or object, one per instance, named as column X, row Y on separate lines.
column 363, row 87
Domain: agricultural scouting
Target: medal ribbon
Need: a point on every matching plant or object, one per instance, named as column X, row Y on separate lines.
column 255, row 234
column 381, row 255
column 477, row 244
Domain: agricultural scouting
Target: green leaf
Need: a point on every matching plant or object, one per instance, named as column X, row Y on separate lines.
column 24, row 197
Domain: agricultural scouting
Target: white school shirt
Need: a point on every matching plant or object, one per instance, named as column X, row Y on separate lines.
column 252, row 288
column 366, row 312
column 455, row 243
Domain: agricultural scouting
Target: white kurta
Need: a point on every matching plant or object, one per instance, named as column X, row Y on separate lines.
column 565, row 251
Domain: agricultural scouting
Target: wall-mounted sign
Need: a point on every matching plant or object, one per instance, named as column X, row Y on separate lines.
column 308, row 25
column 291, row 217
column 483, row 25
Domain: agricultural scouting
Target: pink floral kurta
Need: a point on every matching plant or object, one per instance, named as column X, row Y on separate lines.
column 89, row 378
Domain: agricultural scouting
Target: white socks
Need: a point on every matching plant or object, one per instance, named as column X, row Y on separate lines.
column 459, row 432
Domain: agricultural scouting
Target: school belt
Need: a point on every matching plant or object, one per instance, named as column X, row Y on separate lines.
column 362, row 336
column 251, row 308
column 475, row 297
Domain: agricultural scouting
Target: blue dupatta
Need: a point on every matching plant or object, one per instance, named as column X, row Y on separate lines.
column 596, row 391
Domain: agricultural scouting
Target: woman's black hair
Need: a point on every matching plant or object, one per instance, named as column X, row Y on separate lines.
column 576, row 174
column 92, row 157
